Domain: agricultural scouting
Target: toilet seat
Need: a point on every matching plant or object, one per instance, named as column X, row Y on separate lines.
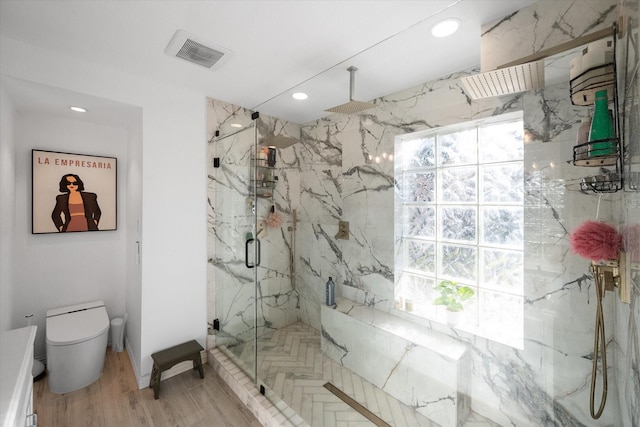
column 76, row 323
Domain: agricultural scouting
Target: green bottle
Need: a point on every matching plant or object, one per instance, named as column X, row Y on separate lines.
column 602, row 127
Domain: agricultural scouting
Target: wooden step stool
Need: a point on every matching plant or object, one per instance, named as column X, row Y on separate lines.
column 167, row 359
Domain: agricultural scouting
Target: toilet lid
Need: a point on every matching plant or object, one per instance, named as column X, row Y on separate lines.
column 77, row 326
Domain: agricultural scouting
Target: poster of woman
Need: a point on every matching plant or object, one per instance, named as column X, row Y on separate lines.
column 73, row 192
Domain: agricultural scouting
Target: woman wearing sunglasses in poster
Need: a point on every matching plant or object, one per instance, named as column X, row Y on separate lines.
column 76, row 210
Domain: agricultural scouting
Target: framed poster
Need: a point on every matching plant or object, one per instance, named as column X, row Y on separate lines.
column 73, row 192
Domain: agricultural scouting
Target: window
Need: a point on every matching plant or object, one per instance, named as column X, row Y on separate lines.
column 460, row 217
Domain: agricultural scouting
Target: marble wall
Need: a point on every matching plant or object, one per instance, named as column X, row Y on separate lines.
column 341, row 170
column 547, row 382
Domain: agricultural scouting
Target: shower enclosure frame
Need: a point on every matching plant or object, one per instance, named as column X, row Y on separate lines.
column 237, row 246
column 254, row 282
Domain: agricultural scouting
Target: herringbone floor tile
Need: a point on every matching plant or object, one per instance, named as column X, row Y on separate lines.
column 291, row 364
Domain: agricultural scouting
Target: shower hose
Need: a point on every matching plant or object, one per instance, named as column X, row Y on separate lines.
column 599, row 341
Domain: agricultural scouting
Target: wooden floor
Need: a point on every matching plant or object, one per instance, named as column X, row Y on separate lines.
column 115, row 400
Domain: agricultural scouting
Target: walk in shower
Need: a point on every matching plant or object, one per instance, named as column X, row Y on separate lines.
column 404, row 368
column 267, row 317
column 250, row 231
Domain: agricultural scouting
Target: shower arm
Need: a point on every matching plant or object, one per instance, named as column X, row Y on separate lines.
column 352, row 81
column 566, row 46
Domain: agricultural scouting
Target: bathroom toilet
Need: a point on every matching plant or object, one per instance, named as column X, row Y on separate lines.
column 76, row 344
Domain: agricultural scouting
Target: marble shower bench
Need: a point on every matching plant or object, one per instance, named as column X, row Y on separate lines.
column 426, row 370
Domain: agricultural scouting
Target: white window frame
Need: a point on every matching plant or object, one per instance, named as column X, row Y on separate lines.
column 413, row 288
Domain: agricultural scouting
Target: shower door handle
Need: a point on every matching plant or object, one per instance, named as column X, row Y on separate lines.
column 258, row 253
column 246, row 253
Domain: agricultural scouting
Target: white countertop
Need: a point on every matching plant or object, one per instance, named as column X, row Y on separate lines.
column 16, row 360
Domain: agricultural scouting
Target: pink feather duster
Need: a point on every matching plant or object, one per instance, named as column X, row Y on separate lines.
column 274, row 220
column 596, row 241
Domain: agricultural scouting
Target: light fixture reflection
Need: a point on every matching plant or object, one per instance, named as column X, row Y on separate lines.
column 78, row 109
column 384, row 157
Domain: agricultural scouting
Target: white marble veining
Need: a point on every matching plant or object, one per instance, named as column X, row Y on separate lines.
column 427, row 371
column 341, row 170
column 546, row 25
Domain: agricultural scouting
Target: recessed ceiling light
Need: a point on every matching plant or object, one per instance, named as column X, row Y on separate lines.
column 300, row 96
column 236, row 125
column 446, row 27
column 78, row 109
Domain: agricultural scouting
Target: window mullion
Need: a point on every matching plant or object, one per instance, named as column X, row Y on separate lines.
column 443, row 159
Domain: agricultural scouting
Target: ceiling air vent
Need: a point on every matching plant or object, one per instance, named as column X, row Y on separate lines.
column 196, row 50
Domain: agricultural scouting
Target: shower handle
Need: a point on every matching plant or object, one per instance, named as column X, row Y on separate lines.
column 246, row 253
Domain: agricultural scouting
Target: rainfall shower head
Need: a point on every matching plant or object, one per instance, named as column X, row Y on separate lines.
column 505, row 81
column 353, row 106
column 520, row 74
column 279, row 141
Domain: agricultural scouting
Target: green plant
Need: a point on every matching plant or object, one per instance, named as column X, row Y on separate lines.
column 452, row 295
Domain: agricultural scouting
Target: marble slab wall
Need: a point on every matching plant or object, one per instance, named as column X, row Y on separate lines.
column 546, row 382
column 429, row 371
column 546, row 24
column 342, row 170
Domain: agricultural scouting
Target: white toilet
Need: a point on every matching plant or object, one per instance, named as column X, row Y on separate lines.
column 76, row 345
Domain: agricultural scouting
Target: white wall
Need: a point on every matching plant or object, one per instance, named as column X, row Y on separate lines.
column 54, row 270
column 174, row 287
column 7, row 196
column 133, row 178
column 172, row 291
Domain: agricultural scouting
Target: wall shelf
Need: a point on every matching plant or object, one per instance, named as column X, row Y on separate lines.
column 588, row 154
column 607, row 183
column 603, row 153
column 584, row 86
column 263, row 177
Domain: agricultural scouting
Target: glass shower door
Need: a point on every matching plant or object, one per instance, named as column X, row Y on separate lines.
column 253, row 295
column 236, row 249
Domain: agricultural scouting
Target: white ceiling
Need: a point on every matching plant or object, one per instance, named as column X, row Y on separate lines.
column 280, row 47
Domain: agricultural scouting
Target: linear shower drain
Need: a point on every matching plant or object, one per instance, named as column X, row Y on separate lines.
column 355, row 405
